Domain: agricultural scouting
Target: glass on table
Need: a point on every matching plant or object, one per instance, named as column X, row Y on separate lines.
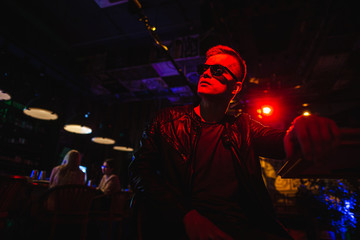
column 42, row 175
column 34, row 174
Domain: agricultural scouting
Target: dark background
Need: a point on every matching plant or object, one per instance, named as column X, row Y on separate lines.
column 97, row 57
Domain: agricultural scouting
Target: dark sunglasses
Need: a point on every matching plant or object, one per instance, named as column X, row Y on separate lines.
column 216, row 70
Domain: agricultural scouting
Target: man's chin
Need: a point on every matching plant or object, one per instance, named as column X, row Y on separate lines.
column 208, row 95
column 204, row 94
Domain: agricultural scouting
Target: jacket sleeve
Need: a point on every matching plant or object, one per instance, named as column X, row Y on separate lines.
column 147, row 180
column 267, row 141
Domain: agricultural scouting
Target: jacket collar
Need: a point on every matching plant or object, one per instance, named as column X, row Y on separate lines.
column 228, row 118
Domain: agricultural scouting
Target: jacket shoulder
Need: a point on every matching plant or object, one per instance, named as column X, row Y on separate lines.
column 246, row 118
column 243, row 118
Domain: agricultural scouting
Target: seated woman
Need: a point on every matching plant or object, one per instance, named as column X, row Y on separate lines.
column 68, row 172
column 110, row 182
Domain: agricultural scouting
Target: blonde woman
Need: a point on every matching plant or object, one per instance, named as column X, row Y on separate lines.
column 68, row 172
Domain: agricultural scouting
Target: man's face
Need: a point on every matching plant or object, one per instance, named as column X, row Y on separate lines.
column 219, row 86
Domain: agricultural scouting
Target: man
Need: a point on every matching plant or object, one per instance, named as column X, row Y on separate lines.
column 197, row 175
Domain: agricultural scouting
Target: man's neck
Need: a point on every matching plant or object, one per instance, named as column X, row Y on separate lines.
column 211, row 111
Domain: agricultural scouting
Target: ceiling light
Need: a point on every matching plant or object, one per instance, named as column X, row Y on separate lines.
column 76, row 128
column 123, row 143
column 39, row 113
column 41, row 108
column 306, row 113
column 123, row 148
column 109, row 3
column 4, row 96
column 103, row 135
column 165, row 69
column 79, row 124
column 103, row 140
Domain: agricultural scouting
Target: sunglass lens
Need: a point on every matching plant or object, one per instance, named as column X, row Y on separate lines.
column 217, row 70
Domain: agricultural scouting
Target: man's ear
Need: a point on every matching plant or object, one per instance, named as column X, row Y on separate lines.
column 237, row 88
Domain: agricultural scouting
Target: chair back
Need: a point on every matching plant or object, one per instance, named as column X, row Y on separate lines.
column 12, row 192
column 120, row 204
column 67, row 204
column 69, row 199
column 10, row 186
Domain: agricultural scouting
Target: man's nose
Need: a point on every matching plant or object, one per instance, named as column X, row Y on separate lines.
column 207, row 73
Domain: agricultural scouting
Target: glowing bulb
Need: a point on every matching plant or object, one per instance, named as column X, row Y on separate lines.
column 266, row 110
column 4, row 96
column 306, row 113
column 75, row 128
column 40, row 113
column 123, row 148
column 103, row 140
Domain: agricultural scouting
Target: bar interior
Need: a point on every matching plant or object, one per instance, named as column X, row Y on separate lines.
column 90, row 75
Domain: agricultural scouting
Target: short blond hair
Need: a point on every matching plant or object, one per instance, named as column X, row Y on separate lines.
column 222, row 49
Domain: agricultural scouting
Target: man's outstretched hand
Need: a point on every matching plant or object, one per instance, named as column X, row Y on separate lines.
column 311, row 137
column 199, row 227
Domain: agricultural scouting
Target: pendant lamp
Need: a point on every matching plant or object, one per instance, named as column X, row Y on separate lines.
column 123, row 143
column 4, row 95
column 79, row 124
column 41, row 108
column 103, row 135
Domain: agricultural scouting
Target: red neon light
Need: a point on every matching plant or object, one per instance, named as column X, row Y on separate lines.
column 267, row 110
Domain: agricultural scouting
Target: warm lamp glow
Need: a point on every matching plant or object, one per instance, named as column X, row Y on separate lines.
column 103, row 140
column 123, row 148
column 305, row 104
column 4, row 96
column 306, row 113
column 40, row 113
column 266, row 110
column 76, row 128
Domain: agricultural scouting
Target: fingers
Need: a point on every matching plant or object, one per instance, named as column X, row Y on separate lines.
column 302, row 133
column 329, row 137
column 290, row 144
column 315, row 135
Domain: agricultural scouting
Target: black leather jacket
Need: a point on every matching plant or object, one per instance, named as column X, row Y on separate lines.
column 162, row 168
